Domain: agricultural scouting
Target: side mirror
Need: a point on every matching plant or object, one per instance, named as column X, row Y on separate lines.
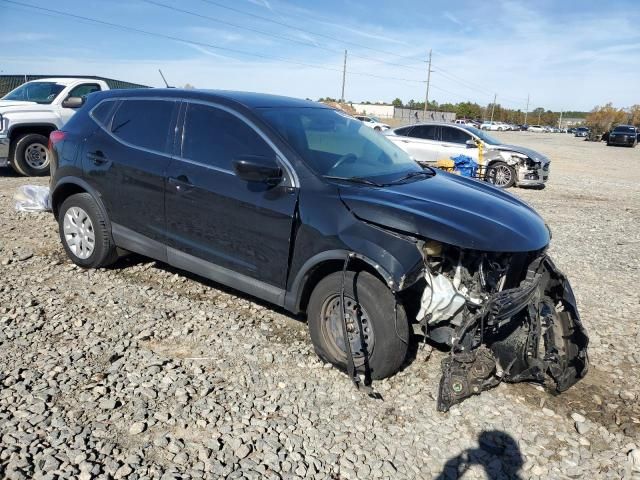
column 73, row 102
column 254, row 168
column 471, row 144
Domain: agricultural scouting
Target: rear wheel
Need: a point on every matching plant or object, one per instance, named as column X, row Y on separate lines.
column 379, row 338
column 31, row 155
column 84, row 234
column 501, row 175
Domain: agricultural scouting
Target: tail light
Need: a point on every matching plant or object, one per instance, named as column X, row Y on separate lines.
column 55, row 137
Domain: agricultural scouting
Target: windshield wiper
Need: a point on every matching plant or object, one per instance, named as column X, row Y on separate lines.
column 361, row 180
column 428, row 171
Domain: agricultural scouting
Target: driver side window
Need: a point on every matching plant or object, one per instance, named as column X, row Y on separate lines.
column 84, row 89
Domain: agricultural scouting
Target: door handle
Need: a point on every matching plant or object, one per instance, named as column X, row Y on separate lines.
column 97, row 157
column 181, row 183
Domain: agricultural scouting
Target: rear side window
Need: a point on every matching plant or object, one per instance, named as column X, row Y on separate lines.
column 102, row 113
column 404, row 131
column 144, row 123
column 427, row 132
column 454, row 135
column 215, row 137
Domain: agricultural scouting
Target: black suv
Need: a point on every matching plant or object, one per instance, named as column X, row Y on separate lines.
column 305, row 207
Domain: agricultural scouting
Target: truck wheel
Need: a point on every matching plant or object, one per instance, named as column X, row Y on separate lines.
column 380, row 346
column 31, row 155
column 501, row 175
column 84, row 234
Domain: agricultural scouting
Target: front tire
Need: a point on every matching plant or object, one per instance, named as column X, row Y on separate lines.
column 501, row 175
column 84, row 233
column 31, row 155
column 381, row 346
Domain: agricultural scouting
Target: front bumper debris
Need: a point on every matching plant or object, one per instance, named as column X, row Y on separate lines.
column 519, row 334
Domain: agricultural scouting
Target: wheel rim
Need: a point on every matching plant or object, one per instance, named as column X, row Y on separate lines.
column 361, row 341
column 37, row 156
column 78, row 232
column 501, row 176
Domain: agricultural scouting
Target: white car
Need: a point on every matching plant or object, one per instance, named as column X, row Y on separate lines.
column 536, row 128
column 495, row 126
column 29, row 113
column 373, row 122
column 506, row 165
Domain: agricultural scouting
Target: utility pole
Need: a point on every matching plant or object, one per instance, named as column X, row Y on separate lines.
column 560, row 121
column 526, row 112
column 426, row 95
column 344, row 75
column 493, row 105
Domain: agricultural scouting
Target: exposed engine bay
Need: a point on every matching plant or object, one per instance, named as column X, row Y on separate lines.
column 505, row 316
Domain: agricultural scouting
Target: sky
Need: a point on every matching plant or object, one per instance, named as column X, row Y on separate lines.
column 564, row 55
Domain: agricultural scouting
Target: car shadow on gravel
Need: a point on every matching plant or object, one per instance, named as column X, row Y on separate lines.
column 8, row 172
column 497, row 453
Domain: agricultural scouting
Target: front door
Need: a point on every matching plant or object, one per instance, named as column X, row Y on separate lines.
column 81, row 90
column 217, row 223
column 453, row 143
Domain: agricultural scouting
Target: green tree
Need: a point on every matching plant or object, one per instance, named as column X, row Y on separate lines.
column 397, row 102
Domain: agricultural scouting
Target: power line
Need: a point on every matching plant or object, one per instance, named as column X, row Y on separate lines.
column 269, row 34
column 293, row 27
column 194, row 42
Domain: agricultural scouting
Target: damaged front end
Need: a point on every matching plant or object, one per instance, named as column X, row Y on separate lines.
column 505, row 316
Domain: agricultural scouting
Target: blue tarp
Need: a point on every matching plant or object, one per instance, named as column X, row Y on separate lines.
column 465, row 166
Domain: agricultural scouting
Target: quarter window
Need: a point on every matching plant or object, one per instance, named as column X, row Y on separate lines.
column 404, row 131
column 215, row 137
column 102, row 113
column 426, row 132
column 144, row 123
column 454, row 135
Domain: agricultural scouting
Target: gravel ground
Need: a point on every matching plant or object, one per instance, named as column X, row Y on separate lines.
column 141, row 371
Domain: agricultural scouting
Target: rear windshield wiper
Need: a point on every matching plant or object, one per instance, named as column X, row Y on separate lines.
column 428, row 172
column 363, row 181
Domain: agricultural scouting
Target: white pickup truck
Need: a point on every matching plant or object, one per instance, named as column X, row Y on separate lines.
column 31, row 112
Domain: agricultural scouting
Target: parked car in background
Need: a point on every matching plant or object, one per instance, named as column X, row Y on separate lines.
column 536, row 128
column 507, row 165
column 571, row 130
column 625, row 135
column 29, row 113
column 494, row 126
column 306, row 208
column 373, row 122
column 581, row 132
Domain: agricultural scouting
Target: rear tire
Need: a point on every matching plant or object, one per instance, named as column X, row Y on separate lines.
column 31, row 155
column 382, row 345
column 84, row 233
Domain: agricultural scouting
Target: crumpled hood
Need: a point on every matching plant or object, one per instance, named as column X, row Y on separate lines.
column 532, row 154
column 454, row 210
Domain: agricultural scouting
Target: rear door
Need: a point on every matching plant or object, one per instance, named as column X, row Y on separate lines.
column 423, row 143
column 219, row 225
column 127, row 160
column 453, row 143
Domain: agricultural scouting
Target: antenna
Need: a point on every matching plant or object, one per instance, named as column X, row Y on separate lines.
column 164, row 79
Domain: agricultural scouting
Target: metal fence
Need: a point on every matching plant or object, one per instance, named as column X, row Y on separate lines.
column 408, row 115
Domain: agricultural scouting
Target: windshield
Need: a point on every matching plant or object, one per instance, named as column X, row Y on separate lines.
column 624, row 129
column 485, row 137
column 39, row 92
column 336, row 145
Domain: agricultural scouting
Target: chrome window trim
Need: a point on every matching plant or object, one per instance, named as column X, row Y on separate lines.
column 292, row 174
